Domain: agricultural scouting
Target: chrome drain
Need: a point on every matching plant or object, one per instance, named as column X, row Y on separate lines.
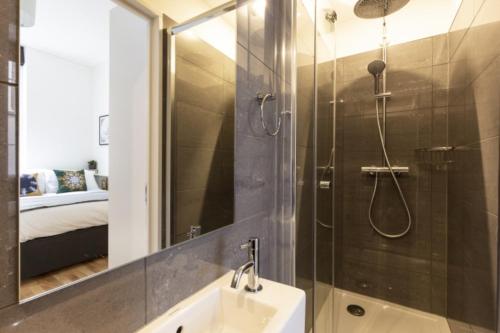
column 356, row 310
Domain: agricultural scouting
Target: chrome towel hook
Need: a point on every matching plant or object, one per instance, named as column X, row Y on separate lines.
column 262, row 99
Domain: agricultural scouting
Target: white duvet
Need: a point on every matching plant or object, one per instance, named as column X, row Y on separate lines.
column 53, row 214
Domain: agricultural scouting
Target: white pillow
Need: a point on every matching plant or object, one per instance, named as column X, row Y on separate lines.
column 51, row 183
column 90, row 180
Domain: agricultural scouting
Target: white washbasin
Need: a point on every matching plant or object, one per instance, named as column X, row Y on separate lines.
column 217, row 308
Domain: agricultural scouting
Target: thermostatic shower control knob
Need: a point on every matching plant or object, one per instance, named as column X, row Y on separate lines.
column 325, row 184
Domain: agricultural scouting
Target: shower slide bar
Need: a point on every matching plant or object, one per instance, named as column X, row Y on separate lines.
column 373, row 170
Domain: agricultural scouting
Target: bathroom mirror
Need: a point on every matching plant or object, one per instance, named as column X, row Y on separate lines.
column 202, row 72
column 108, row 174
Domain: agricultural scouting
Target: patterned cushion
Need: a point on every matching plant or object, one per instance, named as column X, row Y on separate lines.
column 29, row 185
column 70, row 181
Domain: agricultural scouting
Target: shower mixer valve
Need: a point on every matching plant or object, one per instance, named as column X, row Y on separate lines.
column 383, row 95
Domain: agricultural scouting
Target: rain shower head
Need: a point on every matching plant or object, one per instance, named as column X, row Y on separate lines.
column 369, row 9
column 376, row 68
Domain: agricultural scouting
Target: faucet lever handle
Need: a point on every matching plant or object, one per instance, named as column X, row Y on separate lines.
column 252, row 246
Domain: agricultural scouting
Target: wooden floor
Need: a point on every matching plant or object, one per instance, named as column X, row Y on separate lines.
column 39, row 284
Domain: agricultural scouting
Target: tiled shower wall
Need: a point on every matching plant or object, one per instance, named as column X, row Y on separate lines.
column 409, row 270
column 8, row 156
column 126, row 298
column 203, row 145
column 473, row 174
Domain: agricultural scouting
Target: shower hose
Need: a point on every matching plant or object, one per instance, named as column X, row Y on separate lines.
column 396, row 183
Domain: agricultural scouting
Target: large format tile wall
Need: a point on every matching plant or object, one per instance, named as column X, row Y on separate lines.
column 203, row 145
column 409, row 270
column 474, row 115
column 8, row 159
column 126, row 298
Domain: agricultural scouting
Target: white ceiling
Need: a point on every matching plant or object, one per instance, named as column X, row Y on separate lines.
column 76, row 30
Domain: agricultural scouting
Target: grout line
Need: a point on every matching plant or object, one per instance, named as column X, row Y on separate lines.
column 471, row 23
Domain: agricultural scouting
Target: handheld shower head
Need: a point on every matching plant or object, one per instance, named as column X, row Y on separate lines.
column 376, row 68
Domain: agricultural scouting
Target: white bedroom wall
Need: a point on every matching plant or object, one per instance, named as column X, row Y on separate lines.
column 100, row 100
column 128, row 134
column 61, row 102
column 57, row 122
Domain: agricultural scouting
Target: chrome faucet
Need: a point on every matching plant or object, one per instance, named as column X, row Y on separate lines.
column 252, row 267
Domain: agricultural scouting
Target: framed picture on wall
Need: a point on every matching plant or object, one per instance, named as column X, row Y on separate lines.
column 104, row 130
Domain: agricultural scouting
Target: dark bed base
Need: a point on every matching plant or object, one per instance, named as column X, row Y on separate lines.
column 46, row 254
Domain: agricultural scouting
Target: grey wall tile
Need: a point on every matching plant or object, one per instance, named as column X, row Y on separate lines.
column 417, row 77
column 176, row 273
column 440, row 49
column 9, row 27
column 8, row 196
column 253, row 77
column 198, row 87
column 200, row 54
column 204, row 139
column 197, row 127
column 112, row 302
column 254, row 177
column 411, row 55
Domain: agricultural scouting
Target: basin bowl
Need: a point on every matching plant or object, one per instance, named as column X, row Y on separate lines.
column 218, row 308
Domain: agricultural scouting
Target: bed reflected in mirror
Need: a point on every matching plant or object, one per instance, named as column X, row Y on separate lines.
column 83, row 152
column 101, row 184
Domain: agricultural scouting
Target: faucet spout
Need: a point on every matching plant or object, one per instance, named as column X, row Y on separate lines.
column 239, row 273
column 252, row 267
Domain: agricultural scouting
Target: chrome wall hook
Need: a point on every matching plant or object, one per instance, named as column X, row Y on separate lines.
column 262, row 99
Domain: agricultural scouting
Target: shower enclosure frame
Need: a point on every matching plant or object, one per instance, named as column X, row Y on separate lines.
column 321, row 293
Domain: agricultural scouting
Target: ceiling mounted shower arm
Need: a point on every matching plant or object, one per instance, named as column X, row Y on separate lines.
column 331, row 16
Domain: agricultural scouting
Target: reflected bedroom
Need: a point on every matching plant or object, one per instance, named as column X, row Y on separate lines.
column 81, row 147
